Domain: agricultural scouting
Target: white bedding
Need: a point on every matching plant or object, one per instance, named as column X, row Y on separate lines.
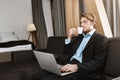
column 16, row 48
column 8, row 36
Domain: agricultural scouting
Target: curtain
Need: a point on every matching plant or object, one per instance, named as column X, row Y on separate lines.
column 58, row 17
column 81, row 7
column 113, row 12
column 39, row 21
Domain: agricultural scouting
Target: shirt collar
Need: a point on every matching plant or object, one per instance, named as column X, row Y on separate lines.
column 90, row 33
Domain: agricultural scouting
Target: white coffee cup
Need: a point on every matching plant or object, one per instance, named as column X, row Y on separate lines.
column 79, row 29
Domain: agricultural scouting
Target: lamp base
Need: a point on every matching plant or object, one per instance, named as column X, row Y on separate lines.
column 34, row 38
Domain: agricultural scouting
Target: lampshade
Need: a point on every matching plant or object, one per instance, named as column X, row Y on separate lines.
column 31, row 27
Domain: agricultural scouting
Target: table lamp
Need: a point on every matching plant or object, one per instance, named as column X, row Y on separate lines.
column 31, row 29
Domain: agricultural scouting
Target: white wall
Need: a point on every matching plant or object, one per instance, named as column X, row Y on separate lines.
column 15, row 15
column 48, row 18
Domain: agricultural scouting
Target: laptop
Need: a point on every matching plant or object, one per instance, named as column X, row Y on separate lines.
column 47, row 62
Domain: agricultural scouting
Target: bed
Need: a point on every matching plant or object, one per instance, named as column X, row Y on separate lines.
column 10, row 43
column 18, row 45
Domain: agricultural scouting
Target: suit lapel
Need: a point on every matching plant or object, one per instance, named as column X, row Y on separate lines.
column 90, row 41
column 77, row 42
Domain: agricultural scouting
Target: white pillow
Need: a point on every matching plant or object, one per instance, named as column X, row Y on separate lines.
column 7, row 36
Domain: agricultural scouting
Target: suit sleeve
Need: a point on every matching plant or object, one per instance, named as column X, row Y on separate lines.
column 69, row 46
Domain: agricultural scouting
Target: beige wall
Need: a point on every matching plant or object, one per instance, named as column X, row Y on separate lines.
column 72, row 14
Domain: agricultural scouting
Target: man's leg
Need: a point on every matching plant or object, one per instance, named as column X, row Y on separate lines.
column 73, row 76
column 38, row 75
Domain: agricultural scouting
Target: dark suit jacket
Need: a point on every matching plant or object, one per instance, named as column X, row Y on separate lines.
column 93, row 56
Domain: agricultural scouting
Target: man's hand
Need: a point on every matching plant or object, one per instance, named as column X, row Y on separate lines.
column 69, row 67
column 72, row 32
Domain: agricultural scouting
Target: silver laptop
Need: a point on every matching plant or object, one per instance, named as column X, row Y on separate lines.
column 47, row 62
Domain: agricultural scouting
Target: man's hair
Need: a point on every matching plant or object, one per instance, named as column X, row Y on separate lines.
column 89, row 16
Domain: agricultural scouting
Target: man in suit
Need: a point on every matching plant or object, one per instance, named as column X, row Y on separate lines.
column 87, row 52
